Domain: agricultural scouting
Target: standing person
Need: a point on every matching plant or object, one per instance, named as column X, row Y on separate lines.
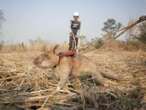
column 75, row 27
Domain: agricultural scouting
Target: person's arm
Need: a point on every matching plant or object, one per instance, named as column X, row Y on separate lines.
column 79, row 28
column 79, row 25
column 71, row 24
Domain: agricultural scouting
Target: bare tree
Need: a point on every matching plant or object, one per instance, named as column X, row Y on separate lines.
column 142, row 35
column 111, row 26
column 2, row 18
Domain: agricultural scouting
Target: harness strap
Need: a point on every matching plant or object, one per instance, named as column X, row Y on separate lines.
column 70, row 53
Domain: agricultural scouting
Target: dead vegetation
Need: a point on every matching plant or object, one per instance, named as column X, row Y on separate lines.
column 24, row 86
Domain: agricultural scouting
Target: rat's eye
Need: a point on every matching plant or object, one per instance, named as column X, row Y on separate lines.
column 48, row 56
column 45, row 54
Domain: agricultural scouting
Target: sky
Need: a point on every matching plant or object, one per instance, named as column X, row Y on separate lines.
column 50, row 19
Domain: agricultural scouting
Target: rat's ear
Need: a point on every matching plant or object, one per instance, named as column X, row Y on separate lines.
column 55, row 49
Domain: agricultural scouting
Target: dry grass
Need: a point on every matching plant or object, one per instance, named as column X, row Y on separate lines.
column 116, row 45
column 32, row 45
column 22, row 85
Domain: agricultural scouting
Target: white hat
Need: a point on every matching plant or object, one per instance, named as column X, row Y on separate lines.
column 76, row 14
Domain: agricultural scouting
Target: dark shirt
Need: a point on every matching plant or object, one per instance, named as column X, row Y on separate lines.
column 75, row 26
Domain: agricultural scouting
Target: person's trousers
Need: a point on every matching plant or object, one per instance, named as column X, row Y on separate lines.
column 73, row 38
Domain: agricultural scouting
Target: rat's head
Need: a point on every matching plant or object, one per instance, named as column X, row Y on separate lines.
column 48, row 59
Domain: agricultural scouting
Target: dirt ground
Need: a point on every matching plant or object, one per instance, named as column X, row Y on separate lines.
column 21, row 82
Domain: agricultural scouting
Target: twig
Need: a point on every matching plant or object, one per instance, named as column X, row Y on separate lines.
column 12, row 77
column 74, row 91
column 64, row 104
column 46, row 100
